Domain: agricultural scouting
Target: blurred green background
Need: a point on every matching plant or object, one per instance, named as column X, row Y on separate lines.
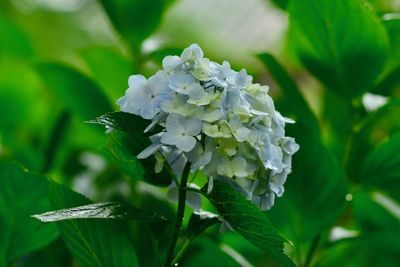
column 63, row 62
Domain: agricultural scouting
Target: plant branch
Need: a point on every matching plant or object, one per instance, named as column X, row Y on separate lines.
column 179, row 216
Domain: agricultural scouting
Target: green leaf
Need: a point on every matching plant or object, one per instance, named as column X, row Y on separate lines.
column 199, row 222
column 381, row 167
column 22, row 194
column 375, row 127
column 392, row 26
column 128, row 142
column 110, row 70
column 248, row 220
column 94, row 242
column 314, row 192
column 13, row 41
column 77, row 92
column 283, row 4
column 341, row 42
column 379, row 248
column 370, row 215
column 125, row 122
column 106, row 210
column 135, row 19
column 158, row 55
column 389, row 83
column 298, row 106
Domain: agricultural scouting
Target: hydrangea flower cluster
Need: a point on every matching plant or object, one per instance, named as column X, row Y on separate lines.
column 216, row 119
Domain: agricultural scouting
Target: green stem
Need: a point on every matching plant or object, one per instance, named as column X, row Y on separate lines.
column 179, row 216
column 312, row 250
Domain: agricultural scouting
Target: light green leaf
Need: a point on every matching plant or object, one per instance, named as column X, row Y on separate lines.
column 392, row 26
column 298, row 106
column 110, row 69
column 94, row 242
column 106, row 210
column 13, row 41
column 248, row 220
column 341, row 42
column 135, row 19
column 77, row 92
column 22, row 194
column 381, row 167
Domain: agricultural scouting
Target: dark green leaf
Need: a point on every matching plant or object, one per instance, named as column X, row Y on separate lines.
column 370, row 215
column 389, row 83
column 77, row 92
column 341, row 42
column 314, row 192
column 377, row 126
column 123, row 121
column 283, row 4
column 95, row 242
column 22, row 194
column 135, row 19
column 381, row 167
column 248, row 220
column 199, row 222
column 128, row 142
column 371, row 249
column 298, row 105
column 106, row 210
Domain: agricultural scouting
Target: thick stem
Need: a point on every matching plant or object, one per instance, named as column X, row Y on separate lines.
column 179, row 215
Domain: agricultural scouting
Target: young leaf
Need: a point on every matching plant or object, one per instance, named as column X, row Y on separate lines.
column 77, row 92
column 95, row 242
column 20, row 234
column 341, row 42
column 106, row 210
column 381, row 167
column 298, row 105
column 248, row 220
column 135, row 19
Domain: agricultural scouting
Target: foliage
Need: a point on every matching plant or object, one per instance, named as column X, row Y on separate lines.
column 60, row 75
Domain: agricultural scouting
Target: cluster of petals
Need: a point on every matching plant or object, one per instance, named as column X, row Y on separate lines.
column 216, row 119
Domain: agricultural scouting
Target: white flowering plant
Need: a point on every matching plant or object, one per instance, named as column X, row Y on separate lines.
column 204, row 117
column 215, row 120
